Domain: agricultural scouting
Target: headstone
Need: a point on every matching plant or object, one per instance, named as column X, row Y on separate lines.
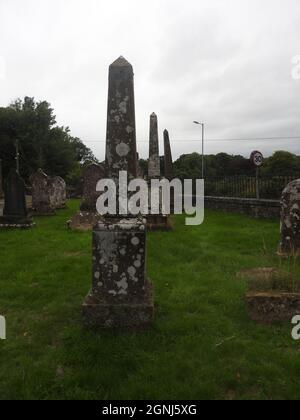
column 1, row 181
column 15, row 213
column 121, row 295
column 154, row 159
column 92, row 174
column 290, row 220
column 41, row 194
column 58, row 192
column 169, row 174
column 87, row 217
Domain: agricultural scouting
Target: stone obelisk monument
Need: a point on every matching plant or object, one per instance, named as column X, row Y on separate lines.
column 154, row 159
column 121, row 295
column 168, row 157
column 155, row 221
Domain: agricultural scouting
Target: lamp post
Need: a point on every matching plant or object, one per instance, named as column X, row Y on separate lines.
column 202, row 125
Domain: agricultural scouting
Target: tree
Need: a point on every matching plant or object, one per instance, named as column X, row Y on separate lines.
column 42, row 143
column 282, row 163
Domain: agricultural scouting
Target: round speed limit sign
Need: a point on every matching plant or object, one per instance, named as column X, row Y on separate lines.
column 257, row 158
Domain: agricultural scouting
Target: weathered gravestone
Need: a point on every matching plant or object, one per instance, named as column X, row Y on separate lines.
column 155, row 221
column 290, row 220
column 58, row 192
column 92, row 174
column 41, row 194
column 121, row 295
column 87, row 217
column 15, row 213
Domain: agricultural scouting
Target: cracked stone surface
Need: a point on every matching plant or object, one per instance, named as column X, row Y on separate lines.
column 290, row 219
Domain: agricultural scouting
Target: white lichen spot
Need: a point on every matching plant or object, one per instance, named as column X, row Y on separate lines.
column 122, row 149
column 100, row 284
column 129, row 129
column 131, row 271
column 137, row 264
column 123, row 107
column 122, row 284
column 102, row 261
column 115, row 268
column 135, row 241
column 112, row 292
column 97, row 275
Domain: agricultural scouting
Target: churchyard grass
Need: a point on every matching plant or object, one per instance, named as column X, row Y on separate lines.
column 201, row 346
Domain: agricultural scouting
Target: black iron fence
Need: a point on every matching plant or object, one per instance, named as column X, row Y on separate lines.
column 246, row 186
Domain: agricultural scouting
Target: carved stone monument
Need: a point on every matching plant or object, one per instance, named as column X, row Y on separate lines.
column 168, row 161
column 15, row 213
column 121, row 295
column 58, row 192
column 41, row 194
column 290, row 220
column 154, row 159
column 87, row 217
column 155, row 221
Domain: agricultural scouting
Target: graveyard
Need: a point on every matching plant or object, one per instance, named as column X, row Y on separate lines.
column 201, row 345
column 149, row 203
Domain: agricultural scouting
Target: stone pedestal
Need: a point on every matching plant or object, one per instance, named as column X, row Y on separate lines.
column 121, row 296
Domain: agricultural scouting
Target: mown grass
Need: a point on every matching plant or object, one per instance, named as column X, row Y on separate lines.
column 202, row 345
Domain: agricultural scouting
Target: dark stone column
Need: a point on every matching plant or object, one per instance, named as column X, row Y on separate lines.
column 15, row 211
column 169, row 174
column 121, row 131
column 154, row 159
column 121, row 295
column 1, row 181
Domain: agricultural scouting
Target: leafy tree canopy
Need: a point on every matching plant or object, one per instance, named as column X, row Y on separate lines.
column 42, row 144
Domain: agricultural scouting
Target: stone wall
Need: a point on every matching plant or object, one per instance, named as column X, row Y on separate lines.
column 266, row 209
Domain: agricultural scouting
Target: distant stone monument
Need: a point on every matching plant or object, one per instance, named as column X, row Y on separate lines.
column 121, row 295
column 41, row 194
column 154, row 159
column 58, row 192
column 15, row 213
column 1, row 181
column 87, row 217
column 168, row 161
column 155, row 221
column 290, row 220
column 92, row 174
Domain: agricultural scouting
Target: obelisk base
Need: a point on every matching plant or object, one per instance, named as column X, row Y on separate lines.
column 84, row 221
column 123, row 316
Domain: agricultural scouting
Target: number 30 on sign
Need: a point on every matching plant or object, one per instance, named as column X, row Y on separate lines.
column 257, row 158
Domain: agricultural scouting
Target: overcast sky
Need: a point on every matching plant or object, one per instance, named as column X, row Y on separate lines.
column 227, row 63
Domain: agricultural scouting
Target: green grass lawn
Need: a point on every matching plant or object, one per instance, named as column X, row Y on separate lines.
column 46, row 272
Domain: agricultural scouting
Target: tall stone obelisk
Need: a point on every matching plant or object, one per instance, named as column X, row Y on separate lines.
column 121, row 295
column 154, row 159
column 169, row 174
column 121, row 153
